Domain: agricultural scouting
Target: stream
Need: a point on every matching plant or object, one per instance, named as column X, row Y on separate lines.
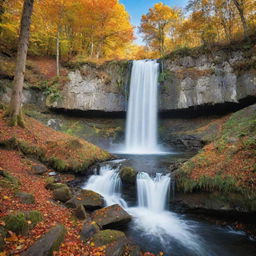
column 154, row 227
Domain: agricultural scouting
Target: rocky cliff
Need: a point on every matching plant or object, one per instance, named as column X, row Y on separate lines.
column 209, row 78
column 95, row 88
column 189, row 78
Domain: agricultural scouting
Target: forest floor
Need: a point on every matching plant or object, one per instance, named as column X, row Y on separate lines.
column 17, row 157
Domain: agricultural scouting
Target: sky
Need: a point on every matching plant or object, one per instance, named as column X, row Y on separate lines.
column 138, row 7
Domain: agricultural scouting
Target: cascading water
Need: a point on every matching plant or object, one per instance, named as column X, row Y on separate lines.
column 150, row 217
column 141, row 125
column 153, row 192
column 108, row 184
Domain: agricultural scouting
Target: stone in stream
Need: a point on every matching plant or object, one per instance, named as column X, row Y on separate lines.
column 62, row 194
column 26, row 198
column 128, row 175
column 38, row 169
column 114, row 241
column 49, row 243
column 113, row 216
column 89, row 199
column 89, row 229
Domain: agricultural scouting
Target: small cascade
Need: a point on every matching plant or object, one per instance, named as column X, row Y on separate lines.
column 108, row 184
column 141, row 126
column 153, row 192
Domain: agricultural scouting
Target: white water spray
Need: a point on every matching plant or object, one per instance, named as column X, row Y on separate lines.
column 107, row 184
column 153, row 192
column 141, row 126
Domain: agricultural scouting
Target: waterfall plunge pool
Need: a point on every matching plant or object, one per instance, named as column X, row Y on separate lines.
column 155, row 228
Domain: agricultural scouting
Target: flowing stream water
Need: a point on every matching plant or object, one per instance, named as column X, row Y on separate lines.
column 155, row 228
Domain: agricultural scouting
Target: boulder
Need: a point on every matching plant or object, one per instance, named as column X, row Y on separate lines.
column 114, row 241
column 53, row 186
column 89, row 229
column 133, row 250
column 38, row 169
column 13, row 180
column 128, row 175
column 113, row 216
column 21, row 222
column 26, row 198
column 80, row 213
column 89, row 199
column 16, row 223
column 49, row 243
column 62, row 194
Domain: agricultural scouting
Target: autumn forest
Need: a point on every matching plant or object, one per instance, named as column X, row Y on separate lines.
column 92, row 29
column 127, row 127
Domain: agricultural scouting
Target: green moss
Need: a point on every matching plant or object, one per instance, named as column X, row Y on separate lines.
column 128, row 175
column 53, row 186
column 13, row 180
column 35, row 217
column 58, row 164
column 107, row 236
column 16, row 223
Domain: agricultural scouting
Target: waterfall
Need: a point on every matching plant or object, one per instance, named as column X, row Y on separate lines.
column 153, row 192
column 108, row 184
column 141, row 126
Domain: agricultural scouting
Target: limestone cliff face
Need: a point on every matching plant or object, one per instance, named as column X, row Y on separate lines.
column 92, row 88
column 207, row 79
column 187, row 81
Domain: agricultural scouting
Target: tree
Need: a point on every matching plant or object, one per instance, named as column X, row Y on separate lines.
column 156, row 25
column 15, row 109
column 240, row 5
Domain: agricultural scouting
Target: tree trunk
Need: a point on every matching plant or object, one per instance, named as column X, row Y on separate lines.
column 15, row 112
column 240, row 9
column 58, row 52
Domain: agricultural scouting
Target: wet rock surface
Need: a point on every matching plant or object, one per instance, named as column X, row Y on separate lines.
column 111, row 217
column 89, row 199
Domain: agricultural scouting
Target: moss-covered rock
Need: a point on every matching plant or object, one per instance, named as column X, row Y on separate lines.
column 107, row 236
column 38, row 169
column 128, row 175
column 80, row 213
column 89, row 199
column 16, row 223
column 26, row 198
column 34, row 217
column 89, row 229
column 21, row 222
column 113, row 216
column 62, row 194
column 53, row 186
column 48, row 244
column 10, row 178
